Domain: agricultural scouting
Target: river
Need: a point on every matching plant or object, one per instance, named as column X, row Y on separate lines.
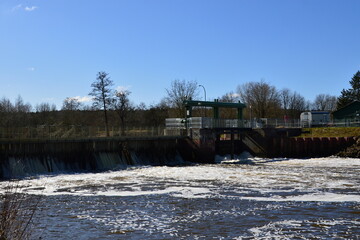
column 316, row 198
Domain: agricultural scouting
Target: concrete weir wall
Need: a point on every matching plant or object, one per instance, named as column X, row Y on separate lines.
column 308, row 147
column 284, row 143
column 272, row 143
column 20, row 158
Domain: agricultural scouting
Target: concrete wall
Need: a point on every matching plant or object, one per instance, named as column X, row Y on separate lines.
column 28, row 157
column 308, row 147
column 272, row 143
column 20, row 158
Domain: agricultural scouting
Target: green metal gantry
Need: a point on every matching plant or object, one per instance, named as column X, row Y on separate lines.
column 189, row 104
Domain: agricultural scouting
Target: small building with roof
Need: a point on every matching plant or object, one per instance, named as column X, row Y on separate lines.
column 315, row 119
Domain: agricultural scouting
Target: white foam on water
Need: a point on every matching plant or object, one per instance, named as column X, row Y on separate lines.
column 278, row 229
column 314, row 197
column 183, row 192
column 320, row 162
column 190, row 192
column 313, row 179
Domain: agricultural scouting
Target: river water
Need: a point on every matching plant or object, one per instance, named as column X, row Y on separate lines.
column 315, row 198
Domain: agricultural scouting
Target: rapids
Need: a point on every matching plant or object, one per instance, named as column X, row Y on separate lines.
column 316, row 198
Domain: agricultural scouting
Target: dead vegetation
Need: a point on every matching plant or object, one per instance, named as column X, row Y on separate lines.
column 331, row 132
column 352, row 151
column 17, row 213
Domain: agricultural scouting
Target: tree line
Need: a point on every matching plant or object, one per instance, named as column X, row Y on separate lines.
column 112, row 107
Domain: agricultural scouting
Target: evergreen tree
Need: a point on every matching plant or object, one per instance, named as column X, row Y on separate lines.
column 351, row 94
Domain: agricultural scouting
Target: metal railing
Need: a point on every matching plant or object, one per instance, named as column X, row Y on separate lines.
column 62, row 132
column 201, row 122
column 172, row 128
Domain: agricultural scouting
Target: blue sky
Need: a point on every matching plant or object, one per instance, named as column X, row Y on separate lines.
column 53, row 49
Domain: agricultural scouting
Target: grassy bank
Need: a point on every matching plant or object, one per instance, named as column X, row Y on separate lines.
column 331, row 132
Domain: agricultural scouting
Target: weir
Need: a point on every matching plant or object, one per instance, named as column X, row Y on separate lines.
column 278, row 142
column 203, row 139
column 20, row 158
column 215, row 136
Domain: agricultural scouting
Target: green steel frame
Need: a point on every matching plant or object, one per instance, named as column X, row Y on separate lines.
column 216, row 105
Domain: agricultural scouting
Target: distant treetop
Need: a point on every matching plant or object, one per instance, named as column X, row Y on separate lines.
column 351, row 94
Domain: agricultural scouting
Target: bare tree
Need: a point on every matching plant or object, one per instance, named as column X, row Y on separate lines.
column 14, row 115
column 71, row 104
column 230, row 97
column 285, row 96
column 43, row 107
column 298, row 105
column 44, row 113
column 156, row 114
column 325, row 102
column 261, row 97
column 20, row 106
column 20, row 116
column 6, row 109
column 6, row 105
column 179, row 91
column 122, row 106
column 292, row 103
column 102, row 95
column 141, row 106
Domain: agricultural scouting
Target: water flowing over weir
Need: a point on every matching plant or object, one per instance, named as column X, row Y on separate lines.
column 20, row 158
column 24, row 158
column 317, row 198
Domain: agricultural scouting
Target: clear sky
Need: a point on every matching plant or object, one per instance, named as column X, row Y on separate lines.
column 53, row 49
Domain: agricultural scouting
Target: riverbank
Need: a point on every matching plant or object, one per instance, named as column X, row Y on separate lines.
column 330, row 132
column 352, row 151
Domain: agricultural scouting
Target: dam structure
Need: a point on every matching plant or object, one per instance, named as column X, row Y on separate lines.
column 183, row 141
column 20, row 158
column 215, row 136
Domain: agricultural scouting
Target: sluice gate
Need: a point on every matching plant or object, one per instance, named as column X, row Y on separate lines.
column 269, row 143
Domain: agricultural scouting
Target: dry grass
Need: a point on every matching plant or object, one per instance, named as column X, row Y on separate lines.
column 331, row 132
column 17, row 213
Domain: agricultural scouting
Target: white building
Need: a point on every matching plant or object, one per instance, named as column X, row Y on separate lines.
column 314, row 118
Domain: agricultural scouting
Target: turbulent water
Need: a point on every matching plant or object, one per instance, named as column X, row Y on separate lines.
column 238, row 199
